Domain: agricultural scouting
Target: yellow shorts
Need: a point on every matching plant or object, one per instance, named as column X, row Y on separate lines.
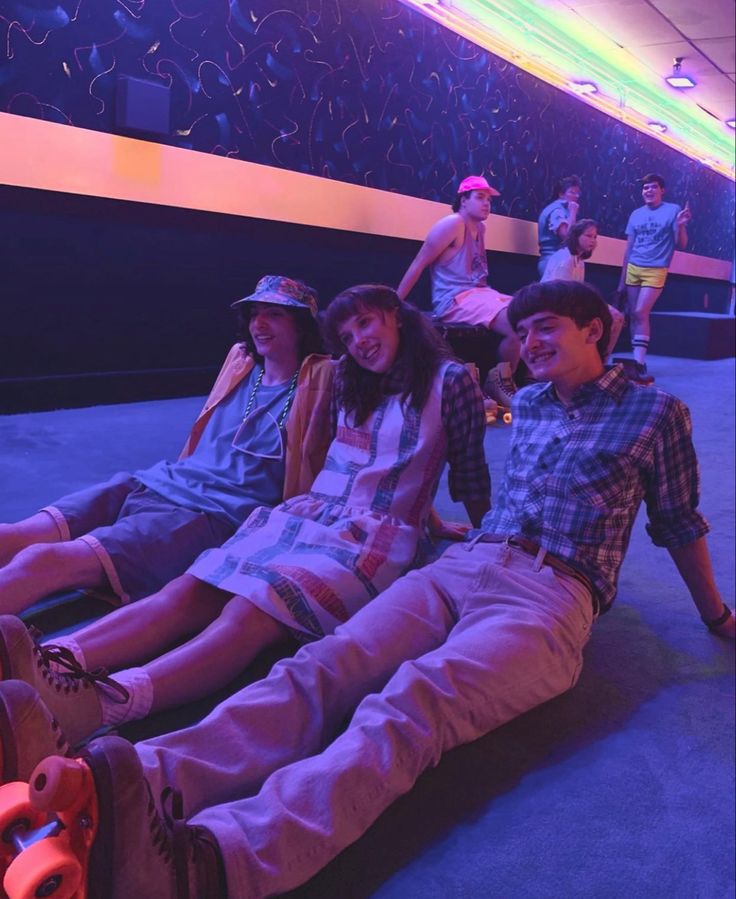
column 639, row 276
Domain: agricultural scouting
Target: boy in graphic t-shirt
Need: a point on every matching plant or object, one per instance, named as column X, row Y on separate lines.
column 654, row 231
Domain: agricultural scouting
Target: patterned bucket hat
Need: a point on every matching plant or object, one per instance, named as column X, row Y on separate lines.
column 282, row 292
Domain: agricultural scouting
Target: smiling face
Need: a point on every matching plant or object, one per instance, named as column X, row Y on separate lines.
column 588, row 240
column 477, row 206
column 372, row 337
column 652, row 194
column 274, row 331
column 556, row 349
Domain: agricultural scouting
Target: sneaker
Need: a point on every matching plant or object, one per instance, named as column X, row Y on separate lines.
column 66, row 689
column 28, row 731
column 499, row 384
column 137, row 849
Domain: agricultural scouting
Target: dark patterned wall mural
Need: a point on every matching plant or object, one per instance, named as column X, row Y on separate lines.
column 364, row 91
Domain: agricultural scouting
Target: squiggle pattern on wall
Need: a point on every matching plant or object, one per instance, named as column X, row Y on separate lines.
column 364, row 91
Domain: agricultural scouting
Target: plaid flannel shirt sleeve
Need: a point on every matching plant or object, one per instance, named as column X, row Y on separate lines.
column 464, row 420
column 674, row 489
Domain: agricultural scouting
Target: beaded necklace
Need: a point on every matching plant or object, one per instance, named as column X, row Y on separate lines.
column 287, row 404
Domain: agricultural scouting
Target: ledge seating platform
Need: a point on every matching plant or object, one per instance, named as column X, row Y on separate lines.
column 693, row 334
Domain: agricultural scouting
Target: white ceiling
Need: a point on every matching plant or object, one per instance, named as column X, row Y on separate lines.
column 657, row 31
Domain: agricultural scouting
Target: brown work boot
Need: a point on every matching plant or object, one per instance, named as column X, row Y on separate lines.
column 499, row 384
column 137, row 849
column 28, row 731
column 71, row 697
column 634, row 371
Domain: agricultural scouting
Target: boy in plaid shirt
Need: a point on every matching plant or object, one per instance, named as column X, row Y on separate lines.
column 272, row 786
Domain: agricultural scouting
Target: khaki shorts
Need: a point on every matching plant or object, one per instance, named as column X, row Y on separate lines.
column 477, row 306
column 640, row 276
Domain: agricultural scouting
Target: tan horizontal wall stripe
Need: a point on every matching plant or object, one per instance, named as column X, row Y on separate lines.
column 49, row 156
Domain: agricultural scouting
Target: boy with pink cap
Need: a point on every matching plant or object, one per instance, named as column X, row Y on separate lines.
column 455, row 251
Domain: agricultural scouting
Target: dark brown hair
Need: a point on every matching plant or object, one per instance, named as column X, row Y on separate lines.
column 652, row 176
column 571, row 299
column 310, row 340
column 564, row 184
column 421, row 351
column 572, row 241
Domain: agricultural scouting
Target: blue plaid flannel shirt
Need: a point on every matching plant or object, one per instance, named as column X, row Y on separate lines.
column 575, row 476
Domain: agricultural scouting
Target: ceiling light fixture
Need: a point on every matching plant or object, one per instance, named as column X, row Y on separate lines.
column 658, row 127
column 677, row 79
column 583, row 87
column 731, row 123
column 536, row 38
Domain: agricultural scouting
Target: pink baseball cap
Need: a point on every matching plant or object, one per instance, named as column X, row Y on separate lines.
column 476, row 182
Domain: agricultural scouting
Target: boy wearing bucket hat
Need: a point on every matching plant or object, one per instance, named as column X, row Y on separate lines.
column 455, row 252
column 260, row 437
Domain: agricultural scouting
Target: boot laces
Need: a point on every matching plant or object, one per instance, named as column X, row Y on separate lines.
column 507, row 384
column 74, row 676
column 178, row 842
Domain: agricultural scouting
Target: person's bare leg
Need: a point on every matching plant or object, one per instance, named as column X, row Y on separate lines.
column 39, row 528
column 44, row 568
column 138, row 632
column 617, row 324
column 509, row 349
column 641, row 302
column 214, row 657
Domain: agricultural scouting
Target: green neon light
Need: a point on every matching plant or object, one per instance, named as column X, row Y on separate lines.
column 579, row 52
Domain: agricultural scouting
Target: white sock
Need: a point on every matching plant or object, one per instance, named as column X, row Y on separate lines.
column 140, row 688
column 74, row 648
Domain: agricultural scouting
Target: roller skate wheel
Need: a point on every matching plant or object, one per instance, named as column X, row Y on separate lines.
column 16, row 811
column 56, row 783
column 507, row 418
column 44, row 869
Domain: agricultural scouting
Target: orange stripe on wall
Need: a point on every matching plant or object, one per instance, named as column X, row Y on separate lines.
column 50, row 156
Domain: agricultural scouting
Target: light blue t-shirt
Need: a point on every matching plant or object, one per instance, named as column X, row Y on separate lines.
column 550, row 219
column 654, row 232
column 224, row 480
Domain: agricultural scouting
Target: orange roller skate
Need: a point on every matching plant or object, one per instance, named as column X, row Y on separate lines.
column 88, row 828
column 44, row 852
column 494, row 411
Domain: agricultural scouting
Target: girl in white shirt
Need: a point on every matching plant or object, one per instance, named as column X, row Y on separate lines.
column 568, row 264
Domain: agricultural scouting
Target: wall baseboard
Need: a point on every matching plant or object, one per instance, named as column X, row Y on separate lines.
column 102, row 388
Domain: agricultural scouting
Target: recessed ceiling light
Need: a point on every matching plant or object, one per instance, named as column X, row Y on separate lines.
column 657, row 126
column 680, row 81
column 583, row 87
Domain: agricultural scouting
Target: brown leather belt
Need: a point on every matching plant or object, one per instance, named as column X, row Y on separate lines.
column 533, row 549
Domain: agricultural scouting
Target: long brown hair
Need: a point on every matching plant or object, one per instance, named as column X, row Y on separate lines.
column 421, row 351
